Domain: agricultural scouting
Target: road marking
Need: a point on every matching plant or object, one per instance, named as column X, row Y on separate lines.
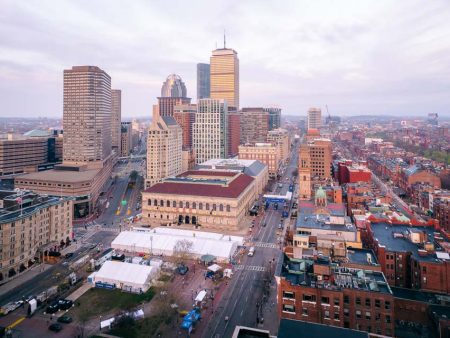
column 250, row 267
column 17, row 322
column 266, row 245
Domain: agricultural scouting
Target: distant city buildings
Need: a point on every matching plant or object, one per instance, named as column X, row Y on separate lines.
column 203, row 80
column 274, row 117
column 31, row 225
column 116, row 110
column 126, row 139
column 225, row 76
column 185, row 116
column 280, row 138
column 210, row 130
column 164, row 149
column 173, row 92
column 314, row 118
column 254, row 125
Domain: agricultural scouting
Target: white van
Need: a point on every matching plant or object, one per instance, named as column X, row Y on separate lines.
column 251, row 251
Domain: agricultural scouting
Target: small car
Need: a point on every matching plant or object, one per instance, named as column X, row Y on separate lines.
column 68, row 255
column 182, row 269
column 56, row 327
column 65, row 319
column 52, row 308
column 65, row 304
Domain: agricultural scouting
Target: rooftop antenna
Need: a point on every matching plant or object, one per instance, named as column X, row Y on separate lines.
column 224, row 40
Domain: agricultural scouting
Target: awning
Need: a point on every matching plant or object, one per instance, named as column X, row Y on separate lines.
column 214, row 268
column 207, row 258
column 201, row 295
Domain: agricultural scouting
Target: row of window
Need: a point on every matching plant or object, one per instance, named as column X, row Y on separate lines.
column 192, row 205
column 336, row 301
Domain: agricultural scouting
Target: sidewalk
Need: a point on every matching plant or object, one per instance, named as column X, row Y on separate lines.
column 79, row 292
column 24, row 277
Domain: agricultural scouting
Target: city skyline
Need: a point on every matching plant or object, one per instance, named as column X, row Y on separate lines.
column 385, row 59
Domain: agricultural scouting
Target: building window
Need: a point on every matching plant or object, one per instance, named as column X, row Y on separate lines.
column 161, row 203
column 346, row 300
column 336, row 301
column 325, row 300
column 377, row 303
column 327, row 314
column 288, row 294
column 207, row 206
column 187, row 205
column 288, row 308
column 309, row 298
column 228, row 208
column 358, row 301
column 167, row 203
column 358, row 314
column 346, row 312
column 388, row 319
column 155, row 202
column 367, row 315
column 336, row 316
column 174, row 204
column 194, row 205
column 387, row 305
column 368, row 302
column 305, row 312
column 200, row 206
column 220, row 207
column 149, row 202
column 180, row 204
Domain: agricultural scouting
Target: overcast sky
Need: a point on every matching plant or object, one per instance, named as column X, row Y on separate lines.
column 357, row 57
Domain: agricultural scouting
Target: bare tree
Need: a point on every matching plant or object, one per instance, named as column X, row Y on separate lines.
column 182, row 250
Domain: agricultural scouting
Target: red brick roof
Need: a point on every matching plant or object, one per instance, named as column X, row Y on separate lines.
column 233, row 190
column 207, row 173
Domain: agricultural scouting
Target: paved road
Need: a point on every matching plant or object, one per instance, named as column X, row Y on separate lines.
column 254, row 276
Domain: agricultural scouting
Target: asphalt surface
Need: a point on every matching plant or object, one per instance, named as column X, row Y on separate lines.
column 242, row 300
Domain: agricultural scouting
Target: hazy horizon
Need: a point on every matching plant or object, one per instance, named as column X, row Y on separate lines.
column 383, row 58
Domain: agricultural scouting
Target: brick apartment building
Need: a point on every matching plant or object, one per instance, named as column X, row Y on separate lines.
column 324, row 293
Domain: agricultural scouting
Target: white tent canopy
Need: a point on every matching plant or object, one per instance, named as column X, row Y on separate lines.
column 125, row 276
column 214, row 268
column 161, row 241
column 201, row 295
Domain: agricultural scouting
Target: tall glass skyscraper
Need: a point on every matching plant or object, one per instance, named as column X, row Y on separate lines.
column 203, row 80
column 225, row 76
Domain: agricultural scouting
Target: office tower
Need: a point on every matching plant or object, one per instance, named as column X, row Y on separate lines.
column 173, row 92
column 234, row 133
column 203, row 80
column 314, row 164
column 210, row 130
column 126, row 139
column 314, row 118
column 254, row 125
column 225, row 76
column 164, row 149
column 116, row 99
column 184, row 114
column 274, row 117
column 87, row 115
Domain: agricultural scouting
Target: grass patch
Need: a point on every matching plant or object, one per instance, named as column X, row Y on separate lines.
column 164, row 278
column 97, row 302
column 144, row 328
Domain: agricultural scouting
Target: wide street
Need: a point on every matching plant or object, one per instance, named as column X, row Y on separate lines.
column 253, row 276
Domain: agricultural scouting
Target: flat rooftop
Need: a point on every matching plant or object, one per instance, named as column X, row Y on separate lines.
column 31, row 202
column 58, row 176
column 292, row 328
column 420, row 296
column 362, row 256
column 394, row 238
column 301, row 272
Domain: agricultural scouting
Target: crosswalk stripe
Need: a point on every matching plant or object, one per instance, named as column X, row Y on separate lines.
column 250, row 267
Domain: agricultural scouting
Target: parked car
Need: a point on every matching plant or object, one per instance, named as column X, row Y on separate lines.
column 280, row 226
column 68, row 255
column 52, row 308
column 65, row 319
column 251, row 251
column 56, row 327
column 65, row 304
